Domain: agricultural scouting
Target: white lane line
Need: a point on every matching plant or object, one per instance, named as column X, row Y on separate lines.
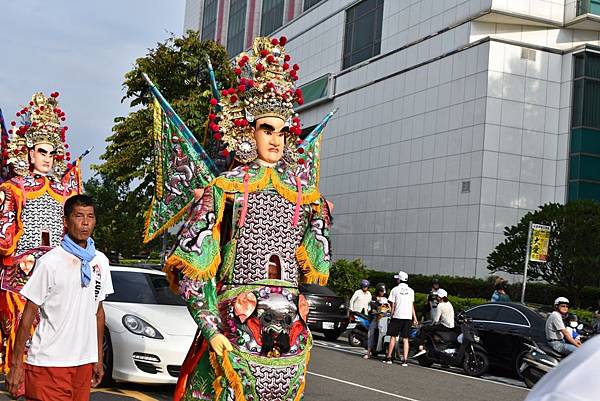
column 364, row 387
column 340, row 349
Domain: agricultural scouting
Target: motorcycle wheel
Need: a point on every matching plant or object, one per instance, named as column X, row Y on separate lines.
column 424, row 361
column 531, row 376
column 476, row 363
column 354, row 340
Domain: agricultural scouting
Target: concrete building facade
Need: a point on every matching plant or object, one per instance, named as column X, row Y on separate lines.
column 456, row 117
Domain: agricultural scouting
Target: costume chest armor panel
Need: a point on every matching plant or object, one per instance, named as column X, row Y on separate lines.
column 267, row 232
column 42, row 214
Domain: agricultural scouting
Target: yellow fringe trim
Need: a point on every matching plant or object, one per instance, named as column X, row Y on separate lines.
column 172, row 221
column 291, row 195
column 301, row 388
column 218, row 373
column 260, row 184
column 253, row 186
column 311, row 275
column 233, row 378
column 174, row 262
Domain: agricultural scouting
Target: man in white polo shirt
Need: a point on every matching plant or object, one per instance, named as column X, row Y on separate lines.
column 68, row 286
column 401, row 301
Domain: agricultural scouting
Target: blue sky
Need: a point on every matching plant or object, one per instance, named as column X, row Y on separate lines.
column 81, row 49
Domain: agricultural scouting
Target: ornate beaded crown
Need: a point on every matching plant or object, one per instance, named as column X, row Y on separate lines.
column 40, row 124
column 265, row 88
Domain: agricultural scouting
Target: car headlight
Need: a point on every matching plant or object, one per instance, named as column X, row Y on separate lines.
column 138, row 326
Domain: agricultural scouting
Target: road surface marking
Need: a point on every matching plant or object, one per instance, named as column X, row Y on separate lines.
column 340, row 349
column 125, row 393
column 365, row 387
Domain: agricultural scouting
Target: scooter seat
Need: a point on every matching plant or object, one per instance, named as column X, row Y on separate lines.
column 447, row 336
column 550, row 351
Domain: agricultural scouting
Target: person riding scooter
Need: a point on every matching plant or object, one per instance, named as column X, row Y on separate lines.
column 379, row 308
column 444, row 320
column 557, row 335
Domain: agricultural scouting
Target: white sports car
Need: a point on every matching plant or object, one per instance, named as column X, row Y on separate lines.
column 148, row 328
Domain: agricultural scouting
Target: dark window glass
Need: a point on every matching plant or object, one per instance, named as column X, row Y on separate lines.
column 317, row 289
column 309, row 3
column 142, row 288
column 236, row 27
column 362, row 34
column 486, row 312
column 588, row 6
column 509, row 315
column 272, row 16
column 209, row 20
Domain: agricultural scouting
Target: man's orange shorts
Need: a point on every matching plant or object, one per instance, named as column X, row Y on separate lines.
column 58, row 384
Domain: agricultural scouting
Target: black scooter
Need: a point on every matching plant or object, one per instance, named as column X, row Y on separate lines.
column 541, row 358
column 460, row 347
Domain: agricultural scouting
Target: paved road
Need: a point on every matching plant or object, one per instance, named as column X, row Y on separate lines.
column 338, row 373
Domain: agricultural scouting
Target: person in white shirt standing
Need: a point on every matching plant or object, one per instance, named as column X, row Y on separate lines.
column 361, row 298
column 401, row 301
column 68, row 286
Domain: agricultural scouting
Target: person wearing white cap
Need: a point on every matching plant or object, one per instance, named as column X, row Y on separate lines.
column 557, row 335
column 401, row 301
column 444, row 319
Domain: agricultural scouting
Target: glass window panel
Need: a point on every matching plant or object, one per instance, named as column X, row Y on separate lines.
column 485, row 312
column 510, row 315
column 209, row 20
column 584, row 140
column 362, row 38
column 236, row 27
column 309, row 3
column 591, row 103
column 592, row 65
column 272, row 16
column 577, row 117
column 579, row 65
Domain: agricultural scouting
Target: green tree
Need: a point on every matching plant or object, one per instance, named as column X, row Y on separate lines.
column 345, row 276
column 574, row 255
column 177, row 67
column 119, row 220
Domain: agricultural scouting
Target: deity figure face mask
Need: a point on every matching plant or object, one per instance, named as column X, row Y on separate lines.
column 270, row 139
column 41, row 158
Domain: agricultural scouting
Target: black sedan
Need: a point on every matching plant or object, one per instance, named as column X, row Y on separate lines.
column 505, row 328
column 328, row 313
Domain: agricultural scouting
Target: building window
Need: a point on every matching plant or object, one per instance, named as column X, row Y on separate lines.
column 584, row 153
column 362, row 37
column 309, row 3
column 316, row 90
column 236, row 27
column 209, row 20
column 588, row 7
column 272, row 16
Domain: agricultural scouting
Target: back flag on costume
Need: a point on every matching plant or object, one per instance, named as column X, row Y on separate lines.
column 4, row 146
column 181, row 165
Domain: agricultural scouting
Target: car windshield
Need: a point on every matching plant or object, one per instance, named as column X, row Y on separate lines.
column 317, row 289
column 142, row 288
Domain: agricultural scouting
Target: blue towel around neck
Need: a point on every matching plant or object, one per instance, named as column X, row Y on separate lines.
column 85, row 255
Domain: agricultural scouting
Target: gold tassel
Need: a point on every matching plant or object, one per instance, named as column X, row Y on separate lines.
column 172, row 221
column 233, row 378
column 311, row 275
column 174, row 262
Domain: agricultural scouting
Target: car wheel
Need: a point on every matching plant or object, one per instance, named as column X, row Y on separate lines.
column 107, row 360
column 476, row 363
column 519, row 362
column 331, row 335
column 354, row 340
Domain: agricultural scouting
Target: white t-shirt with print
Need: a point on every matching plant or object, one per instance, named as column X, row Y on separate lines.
column 67, row 332
column 403, row 297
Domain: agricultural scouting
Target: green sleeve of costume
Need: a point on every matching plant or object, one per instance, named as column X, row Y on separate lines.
column 198, row 252
column 314, row 253
column 201, row 299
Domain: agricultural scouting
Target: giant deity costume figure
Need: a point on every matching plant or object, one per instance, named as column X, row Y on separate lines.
column 252, row 235
column 39, row 178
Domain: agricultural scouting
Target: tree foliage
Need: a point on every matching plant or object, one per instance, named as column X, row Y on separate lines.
column 177, row 67
column 345, row 276
column 574, row 254
column 119, row 220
